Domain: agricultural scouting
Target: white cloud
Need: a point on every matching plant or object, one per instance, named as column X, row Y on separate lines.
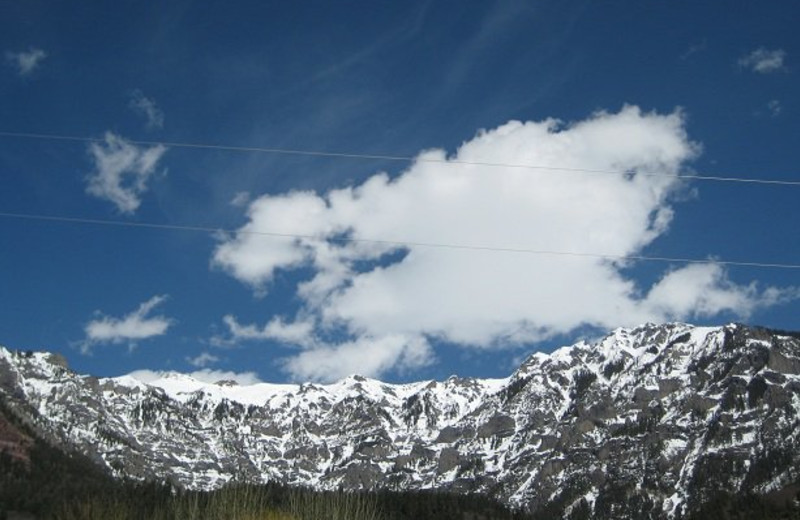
column 129, row 329
column 148, row 109
column 365, row 355
column 253, row 259
column 203, row 359
column 26, row 61
column 122, row 170
column 295, row 333
column 389, row 310
column 326, row 361
column 763, row 60
column 703, row 290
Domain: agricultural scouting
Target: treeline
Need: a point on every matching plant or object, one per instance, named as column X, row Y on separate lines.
column 82, row 493
column 748, row 506
column 40, row 476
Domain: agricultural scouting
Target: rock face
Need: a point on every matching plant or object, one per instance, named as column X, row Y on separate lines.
column 652, row 421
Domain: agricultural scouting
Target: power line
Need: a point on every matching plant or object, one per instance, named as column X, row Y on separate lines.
column 398, row 158
column 400, row 243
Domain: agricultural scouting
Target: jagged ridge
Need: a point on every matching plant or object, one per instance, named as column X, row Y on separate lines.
column 655, row 418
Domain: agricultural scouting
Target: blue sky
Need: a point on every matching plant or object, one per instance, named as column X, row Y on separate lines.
column 651, row 89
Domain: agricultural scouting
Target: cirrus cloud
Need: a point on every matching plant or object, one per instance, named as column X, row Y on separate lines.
column 393, row 302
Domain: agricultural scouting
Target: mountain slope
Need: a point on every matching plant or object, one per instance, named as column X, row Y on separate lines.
column 652, row 421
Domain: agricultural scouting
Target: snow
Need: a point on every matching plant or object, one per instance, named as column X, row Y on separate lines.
column 182, row 388
column 673, row 447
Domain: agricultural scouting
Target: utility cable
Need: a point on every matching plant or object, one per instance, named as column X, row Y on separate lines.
column 400, row 158
column 399, row 243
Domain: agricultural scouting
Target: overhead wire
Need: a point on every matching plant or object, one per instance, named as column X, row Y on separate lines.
column 398, row 158
column 398, row 243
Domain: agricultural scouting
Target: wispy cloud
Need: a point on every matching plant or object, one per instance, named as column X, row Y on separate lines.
column 295, row 333
column 129, row 329
column 694, row 49
column 147, row 108
column 202, row 360
column 26, row 61
column 122, row 171
column 386, row 312
column 763, row 60
column 775, row 107
column 241, row 199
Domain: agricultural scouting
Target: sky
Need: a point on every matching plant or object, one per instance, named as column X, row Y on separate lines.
column 469, row 183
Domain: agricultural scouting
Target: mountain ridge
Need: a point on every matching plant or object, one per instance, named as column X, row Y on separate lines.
column 657, row 418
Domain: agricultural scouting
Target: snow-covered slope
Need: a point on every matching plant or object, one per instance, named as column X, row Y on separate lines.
column 652, row 418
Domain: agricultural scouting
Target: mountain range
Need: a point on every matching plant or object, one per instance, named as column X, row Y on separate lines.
column 655, row 421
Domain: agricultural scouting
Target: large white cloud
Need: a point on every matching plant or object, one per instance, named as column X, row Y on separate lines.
column 122, row 171
column 390, row 307
column 131, row 328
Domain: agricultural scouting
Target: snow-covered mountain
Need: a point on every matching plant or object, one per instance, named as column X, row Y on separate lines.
column 656, row 418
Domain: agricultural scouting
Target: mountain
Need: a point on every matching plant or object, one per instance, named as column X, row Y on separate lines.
column 657, row 421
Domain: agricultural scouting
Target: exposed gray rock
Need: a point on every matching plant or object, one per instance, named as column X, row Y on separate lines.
column 449, row 434
column 668, row 386
column 449, row 458
column 782, row 363
column 364, row 475
column 499, row 424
